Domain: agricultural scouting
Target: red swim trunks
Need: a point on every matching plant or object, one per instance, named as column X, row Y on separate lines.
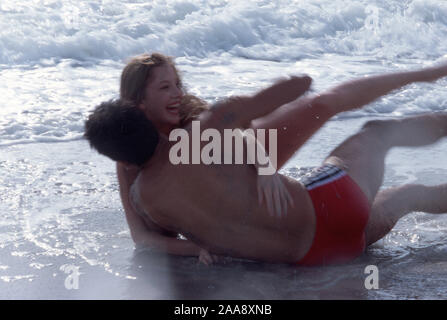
column 341, row 212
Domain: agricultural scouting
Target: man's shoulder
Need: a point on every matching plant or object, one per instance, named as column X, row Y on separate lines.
column 224, row 113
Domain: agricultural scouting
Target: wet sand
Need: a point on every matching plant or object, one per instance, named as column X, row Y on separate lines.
column 60, row 208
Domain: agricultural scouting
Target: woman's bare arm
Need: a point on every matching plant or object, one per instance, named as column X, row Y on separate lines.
column 298, row 120
column 141, row 233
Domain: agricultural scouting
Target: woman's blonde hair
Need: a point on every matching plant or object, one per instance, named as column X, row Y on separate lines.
column 138, row 71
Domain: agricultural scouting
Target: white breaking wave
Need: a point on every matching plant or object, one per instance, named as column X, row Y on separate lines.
column 60, row 58
column 271, row 30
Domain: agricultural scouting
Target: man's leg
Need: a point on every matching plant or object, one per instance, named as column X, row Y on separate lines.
column 363, row 158
column 393, row 203
column 363, row 155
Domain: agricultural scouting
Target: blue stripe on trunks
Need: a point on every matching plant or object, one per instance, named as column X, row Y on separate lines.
column 321, row 176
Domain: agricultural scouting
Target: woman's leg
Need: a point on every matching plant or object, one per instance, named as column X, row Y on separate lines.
column 297, row 121
column 294, row 123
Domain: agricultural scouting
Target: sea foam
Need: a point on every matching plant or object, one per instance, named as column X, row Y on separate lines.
column 58, row 59
column 86, row 30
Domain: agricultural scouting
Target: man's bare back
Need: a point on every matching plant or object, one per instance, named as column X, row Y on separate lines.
column 338, row 211
column 217, row 207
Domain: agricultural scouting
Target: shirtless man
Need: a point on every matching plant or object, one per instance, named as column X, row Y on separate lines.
column 337, row 211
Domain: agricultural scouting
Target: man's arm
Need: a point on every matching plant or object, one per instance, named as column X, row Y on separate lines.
column 237, row 112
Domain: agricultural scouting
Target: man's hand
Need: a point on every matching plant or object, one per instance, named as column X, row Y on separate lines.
column 276, row 196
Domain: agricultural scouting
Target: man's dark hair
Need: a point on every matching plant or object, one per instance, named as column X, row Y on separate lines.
column 122, row 132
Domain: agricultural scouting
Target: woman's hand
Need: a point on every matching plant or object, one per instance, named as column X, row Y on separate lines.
column 206, row 258
column 270, row 187
column 276, row 196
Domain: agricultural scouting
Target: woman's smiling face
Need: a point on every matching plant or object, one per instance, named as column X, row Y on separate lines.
column 162, row 97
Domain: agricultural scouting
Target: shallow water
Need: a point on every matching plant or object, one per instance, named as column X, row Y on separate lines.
column 59, row 211
column 59, row 201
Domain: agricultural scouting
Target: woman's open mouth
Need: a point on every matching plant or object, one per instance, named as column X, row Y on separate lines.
column 173, row 108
